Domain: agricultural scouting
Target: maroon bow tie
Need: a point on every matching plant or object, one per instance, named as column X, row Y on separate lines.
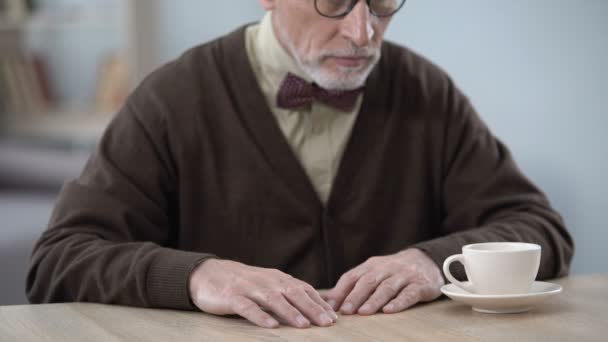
column 296, row 92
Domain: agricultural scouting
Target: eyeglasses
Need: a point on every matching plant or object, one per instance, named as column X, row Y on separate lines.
column 341, row 8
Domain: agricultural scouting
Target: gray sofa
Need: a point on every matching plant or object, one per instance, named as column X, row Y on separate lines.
column 24, row 217
column 30, row 178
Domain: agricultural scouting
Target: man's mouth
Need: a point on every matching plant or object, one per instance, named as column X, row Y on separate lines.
column 347, row 61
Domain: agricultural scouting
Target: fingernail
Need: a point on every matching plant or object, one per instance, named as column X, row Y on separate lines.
column 334, row 316
column 324, row 319
column 347, row 308
column 365, row 307
column 332, row 303
column 301, row 321
column 271, row 323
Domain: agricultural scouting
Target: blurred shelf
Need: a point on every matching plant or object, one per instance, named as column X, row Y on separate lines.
column 72, row 130
column 89, row 23
column 80, row 25
column 6, row 25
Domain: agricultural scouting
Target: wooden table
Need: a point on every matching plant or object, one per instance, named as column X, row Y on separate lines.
column 578, row 314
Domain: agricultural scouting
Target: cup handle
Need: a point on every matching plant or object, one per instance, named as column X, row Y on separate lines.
column 446, row 271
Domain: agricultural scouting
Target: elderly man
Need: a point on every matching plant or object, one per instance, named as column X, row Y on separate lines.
column 298, row 154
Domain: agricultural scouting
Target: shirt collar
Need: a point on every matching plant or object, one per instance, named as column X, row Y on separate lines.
column 274, row 61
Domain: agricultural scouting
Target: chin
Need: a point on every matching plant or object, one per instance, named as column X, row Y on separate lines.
column 337, row 77
column 341, row 79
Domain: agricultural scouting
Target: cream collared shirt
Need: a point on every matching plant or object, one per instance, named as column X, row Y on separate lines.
column 317, row 134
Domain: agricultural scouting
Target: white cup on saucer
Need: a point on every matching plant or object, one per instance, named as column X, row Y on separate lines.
column 497, row 268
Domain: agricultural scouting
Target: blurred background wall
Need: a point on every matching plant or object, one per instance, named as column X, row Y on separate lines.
column 535, row 70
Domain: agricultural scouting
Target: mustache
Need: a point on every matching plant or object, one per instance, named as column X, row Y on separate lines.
column 352, row 52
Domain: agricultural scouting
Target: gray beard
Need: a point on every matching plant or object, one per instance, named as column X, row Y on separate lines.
column 349, row 79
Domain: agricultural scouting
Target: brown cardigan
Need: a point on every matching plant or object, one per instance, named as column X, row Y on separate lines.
column 195, row 165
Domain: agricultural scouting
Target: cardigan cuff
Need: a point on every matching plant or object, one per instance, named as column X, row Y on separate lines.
column 168, row 277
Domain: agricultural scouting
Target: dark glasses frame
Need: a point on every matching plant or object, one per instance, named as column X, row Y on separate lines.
column 352, row 5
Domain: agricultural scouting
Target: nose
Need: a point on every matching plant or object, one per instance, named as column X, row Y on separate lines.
column 357, row 25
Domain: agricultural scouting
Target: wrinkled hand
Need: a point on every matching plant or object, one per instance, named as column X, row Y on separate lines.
column 225, row 287
column 390, row 283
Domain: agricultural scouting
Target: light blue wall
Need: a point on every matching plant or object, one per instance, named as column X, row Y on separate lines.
column 537, row 71
column 185, row 23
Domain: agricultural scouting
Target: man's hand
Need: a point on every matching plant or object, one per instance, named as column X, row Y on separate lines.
column 390, row 283
column 224, row 287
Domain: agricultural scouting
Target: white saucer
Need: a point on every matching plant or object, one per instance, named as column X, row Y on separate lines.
column 540, row 292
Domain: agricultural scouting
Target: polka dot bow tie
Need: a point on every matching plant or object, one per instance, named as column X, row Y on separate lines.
column 296, row 92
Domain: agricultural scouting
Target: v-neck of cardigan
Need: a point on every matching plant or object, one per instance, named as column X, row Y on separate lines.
column 260, row 121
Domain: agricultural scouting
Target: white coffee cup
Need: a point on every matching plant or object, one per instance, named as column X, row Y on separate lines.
column 497, row 268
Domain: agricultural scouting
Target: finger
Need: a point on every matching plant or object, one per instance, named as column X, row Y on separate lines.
column 249, row 310
column 346, row 283
column 408, row 297
column 326, row 295
column 301, row 300
column 366, row 285
column 275, row 302
column 314, row 295
column 323, row 294
column 386, row 291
